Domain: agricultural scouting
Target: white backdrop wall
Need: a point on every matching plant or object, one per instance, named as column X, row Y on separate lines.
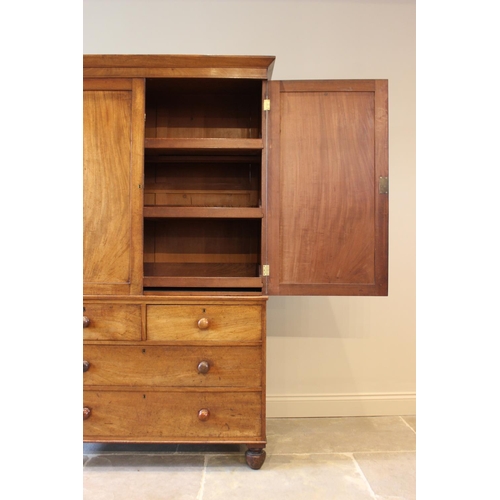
column 326, row 356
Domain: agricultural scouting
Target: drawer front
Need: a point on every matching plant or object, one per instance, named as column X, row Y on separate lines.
column 170, row 416
column 171, row 366
column 204, row 322
column 112, row 321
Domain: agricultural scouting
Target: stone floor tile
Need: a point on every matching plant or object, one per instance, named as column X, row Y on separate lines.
column 390, row 475
column 338, row 435
column 285, row 477
column 378, row 497
column 411, row 421
column 143, row 461
column 351, row 458
column 142, row 477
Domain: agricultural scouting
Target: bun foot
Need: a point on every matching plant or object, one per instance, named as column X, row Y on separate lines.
column 255, row 457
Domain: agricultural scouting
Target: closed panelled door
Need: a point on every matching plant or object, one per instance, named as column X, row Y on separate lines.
column 327, row 205
column 113, row 126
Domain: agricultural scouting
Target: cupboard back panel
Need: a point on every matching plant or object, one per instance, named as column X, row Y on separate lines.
column 202, row 247
column 193, row 108
column 202, row 184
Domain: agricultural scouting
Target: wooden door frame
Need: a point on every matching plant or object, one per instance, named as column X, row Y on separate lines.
column 380, row 284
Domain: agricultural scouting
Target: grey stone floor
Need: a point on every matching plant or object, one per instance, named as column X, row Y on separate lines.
column 347, row 458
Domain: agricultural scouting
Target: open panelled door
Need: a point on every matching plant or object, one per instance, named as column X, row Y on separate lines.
column 327, row 181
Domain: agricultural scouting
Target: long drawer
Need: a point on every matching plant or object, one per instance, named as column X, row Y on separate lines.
column 204, row 322
column 172, row 416
column 172, row 366
column 104, row 321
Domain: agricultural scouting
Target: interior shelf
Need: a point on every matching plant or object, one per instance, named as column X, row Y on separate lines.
column 167, row 144
column 203, row 212
column 205, row 185
column 201, row 282
column 204, row 253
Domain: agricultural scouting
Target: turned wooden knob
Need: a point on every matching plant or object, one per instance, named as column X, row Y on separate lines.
column 86, row 322
column 86, row 366
column 203, row 367
column 86, row 412
column 203, row 414
column 203, row 323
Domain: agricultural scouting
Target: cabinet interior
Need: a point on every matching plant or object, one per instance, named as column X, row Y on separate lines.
column 189, row 180
column 203, row 108
column 203, row 184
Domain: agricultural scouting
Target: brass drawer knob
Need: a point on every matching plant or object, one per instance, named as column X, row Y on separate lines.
column 203, row 367
column 86, row 412
column 86, row 366
column 86, row 322
column 203, row 414
column 203, row 323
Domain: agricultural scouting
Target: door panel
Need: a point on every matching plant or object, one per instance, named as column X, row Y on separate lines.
column 327, row 220
column 113, row 119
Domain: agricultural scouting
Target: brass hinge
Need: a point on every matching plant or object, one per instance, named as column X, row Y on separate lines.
column 144, row 117
column 265, row 270
column 383, row 185
column 267, row 104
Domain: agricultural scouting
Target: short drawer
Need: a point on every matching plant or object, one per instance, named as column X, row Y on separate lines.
column 172, row 416
column 103, row 321
column 172, row 366
column 204, row 322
